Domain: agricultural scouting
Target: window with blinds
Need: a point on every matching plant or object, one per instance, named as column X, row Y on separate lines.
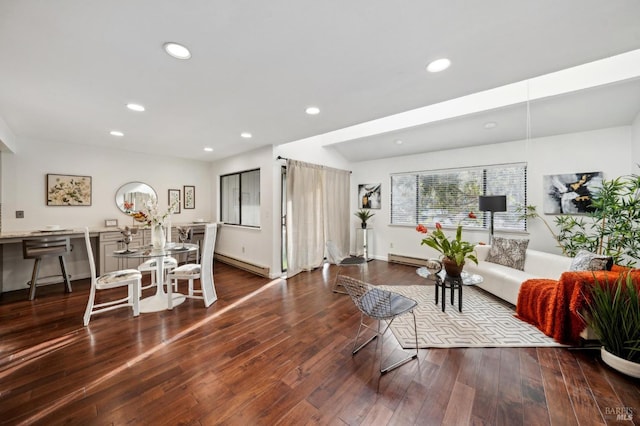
column 447, row 196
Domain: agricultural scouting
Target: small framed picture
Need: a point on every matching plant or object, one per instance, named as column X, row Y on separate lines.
column 189, row 197
column 110, row 223
column 369, row 196
column 174, row 198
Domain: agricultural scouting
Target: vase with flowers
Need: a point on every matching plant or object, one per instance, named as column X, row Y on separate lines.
column 157, row 221
column 454, row 251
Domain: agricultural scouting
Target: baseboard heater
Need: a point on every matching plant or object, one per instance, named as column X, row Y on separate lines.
column 406, row 260
column 241, row 264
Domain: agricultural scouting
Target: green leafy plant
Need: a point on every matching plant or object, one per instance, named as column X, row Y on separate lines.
column 455, row 249
column 364, row 215
column 612, row 228
column 613, row 312
column 530, row 212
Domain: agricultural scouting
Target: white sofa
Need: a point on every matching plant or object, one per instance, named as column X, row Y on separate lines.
column 504, row 282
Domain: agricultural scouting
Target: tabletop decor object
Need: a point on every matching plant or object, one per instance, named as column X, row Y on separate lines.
column 157, row 221
column 454, row 251
column 127, row 237
column 183, row 234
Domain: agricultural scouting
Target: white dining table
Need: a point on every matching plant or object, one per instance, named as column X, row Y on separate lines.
column 160, row 300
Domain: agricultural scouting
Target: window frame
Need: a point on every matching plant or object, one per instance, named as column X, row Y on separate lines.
column 239, row 200
column 414, row 208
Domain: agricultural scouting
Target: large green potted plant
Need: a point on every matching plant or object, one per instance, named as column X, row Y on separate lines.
column 613, row 313
column 612, row 227
column 454, row 251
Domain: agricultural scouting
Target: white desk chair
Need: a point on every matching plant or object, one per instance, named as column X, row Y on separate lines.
column 193, row 271
column 127, row 277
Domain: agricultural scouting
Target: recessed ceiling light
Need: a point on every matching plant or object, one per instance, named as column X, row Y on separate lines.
column 490, row 124
column 208, row 149
column 135, row 107
column 439, row 65
column 313, row 110
column 176, row 50
column 116, row 133
column 246, row 135
column 398, row 142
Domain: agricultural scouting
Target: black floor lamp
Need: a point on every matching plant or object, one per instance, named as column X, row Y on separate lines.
column 492, row 203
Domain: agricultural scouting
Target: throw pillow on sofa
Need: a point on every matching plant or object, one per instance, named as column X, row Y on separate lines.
column 508, row 252
column 587, row 261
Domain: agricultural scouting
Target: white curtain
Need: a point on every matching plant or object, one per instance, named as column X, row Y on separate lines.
column 317, row 211
column 337, row 217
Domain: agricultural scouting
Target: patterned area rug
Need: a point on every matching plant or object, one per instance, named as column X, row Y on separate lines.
column 485, row 321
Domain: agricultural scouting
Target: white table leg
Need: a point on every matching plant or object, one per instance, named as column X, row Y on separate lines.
column 160, row 300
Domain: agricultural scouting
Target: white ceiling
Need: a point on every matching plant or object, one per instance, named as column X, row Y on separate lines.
column 69, row 67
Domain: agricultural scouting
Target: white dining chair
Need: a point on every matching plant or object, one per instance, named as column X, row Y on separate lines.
column 131, row 278
column 151, row 266
column 193, row 271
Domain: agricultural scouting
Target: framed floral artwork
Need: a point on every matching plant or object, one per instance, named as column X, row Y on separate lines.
column 189, row 197
column 174, row 198
column 68, row 190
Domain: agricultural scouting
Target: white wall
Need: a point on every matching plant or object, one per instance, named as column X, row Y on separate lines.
column 606, row 150
column 635, row 146
column 23, row 188
column 24, row 175
column 7, row 138
column 259, row 246
column 262, row 246
column 613, row 151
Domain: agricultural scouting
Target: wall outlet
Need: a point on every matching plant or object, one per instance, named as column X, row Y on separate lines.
column 19, row 214
column 390, row 245
column 243, row 249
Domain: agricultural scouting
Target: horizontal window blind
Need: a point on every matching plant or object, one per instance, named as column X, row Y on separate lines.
column 447, row 196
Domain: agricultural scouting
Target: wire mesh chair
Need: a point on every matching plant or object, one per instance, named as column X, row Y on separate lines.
column 335, row 257
column 379, row 305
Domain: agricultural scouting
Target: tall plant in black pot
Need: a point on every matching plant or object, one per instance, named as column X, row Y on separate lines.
column 364, row 215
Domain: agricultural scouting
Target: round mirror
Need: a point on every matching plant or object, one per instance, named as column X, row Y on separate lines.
column 132, row 197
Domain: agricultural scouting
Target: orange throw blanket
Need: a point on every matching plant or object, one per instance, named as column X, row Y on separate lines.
column 553, row 306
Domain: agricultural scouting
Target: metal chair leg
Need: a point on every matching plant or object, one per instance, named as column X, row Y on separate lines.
column 404, row 360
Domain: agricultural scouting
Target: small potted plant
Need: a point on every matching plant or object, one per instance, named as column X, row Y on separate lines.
column 613, row 313
column 364, row 215
column 454, row 252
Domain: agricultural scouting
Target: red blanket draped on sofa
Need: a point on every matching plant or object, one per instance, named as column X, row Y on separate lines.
column 553, row 306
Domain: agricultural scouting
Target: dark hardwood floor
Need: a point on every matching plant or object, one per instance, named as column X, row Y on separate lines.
column 277, row 352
